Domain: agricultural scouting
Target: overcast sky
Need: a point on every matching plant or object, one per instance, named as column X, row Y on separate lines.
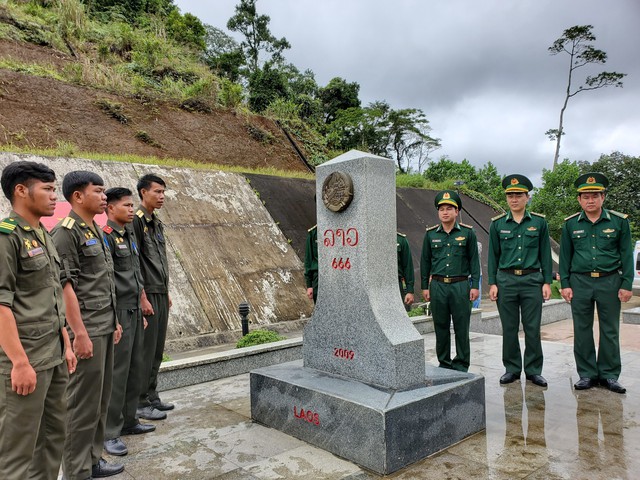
column 479, row 69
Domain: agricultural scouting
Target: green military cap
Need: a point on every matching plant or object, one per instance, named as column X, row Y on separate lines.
column 448, row 197
column 591, row 182
column 516, row 183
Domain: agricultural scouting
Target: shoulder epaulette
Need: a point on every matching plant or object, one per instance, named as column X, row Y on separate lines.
column 498, row 217
column 431, row 228
column 618, row 214
column 8, row 225
column 401, row 234
column 465, row 225
column 68, row 223
column 571, row 216
column 312, row 228
column 538, row 214
column 107, row 229
column 140, row 213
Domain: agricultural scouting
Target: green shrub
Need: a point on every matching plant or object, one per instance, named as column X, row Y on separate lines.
column 258, row 337
column 414, row 180
column 555, row 289
column 230, row 94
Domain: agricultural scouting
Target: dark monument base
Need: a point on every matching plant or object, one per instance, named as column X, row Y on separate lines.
column 380, row 429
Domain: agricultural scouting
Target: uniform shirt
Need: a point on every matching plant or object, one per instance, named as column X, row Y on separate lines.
column 126, row 264
column 453, row 254
column 151, row 242
column 405, row 262
column 311, row 256
column 30, row 287
column 86, row 263
column 519, row 246
column 603, row 246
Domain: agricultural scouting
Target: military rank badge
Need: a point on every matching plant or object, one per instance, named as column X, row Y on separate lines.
column 91, row 241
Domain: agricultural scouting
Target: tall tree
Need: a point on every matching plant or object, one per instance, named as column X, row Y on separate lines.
column 257, row 36
column 575, row 42
column 222, row 53
column 338, row 95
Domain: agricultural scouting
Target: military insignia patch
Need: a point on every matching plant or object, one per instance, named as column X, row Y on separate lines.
column 27, row 243
column 591, row 180
column 35, row 252
column 91, row 241
column 446, row 195
column 514, row 181
column 459, row 239
column 532, row 229
column 609, row 230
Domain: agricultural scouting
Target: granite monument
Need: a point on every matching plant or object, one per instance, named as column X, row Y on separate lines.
column 363, row 390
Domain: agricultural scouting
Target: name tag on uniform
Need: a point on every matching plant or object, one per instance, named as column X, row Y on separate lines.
column 91, row 241
column 122, row 246
column 505, row 231
column 35, row 252
column 578, row 231
column 435, row 240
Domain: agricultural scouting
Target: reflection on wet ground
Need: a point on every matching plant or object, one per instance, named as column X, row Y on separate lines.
column 532, row 433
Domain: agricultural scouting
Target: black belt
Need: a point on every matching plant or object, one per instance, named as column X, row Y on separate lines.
column 597, row 274
column 443, row 279
column 525, row 271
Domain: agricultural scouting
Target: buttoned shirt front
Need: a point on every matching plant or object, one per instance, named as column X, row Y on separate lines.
column 30, row 287
column 519, row 246
column 151, row 241
column 126, row 264
column 452, row 254
column 601, row 246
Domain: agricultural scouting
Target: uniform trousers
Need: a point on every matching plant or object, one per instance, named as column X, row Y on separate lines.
column 450, row 302
column 87, row 401
column 32, row 427
column 520, row 298
column 127, row 373
column 154, row 339
column 603, row 294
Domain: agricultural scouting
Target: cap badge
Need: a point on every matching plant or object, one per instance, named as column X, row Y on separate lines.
column 591, row 180
column 446, row 195
column 514, row 181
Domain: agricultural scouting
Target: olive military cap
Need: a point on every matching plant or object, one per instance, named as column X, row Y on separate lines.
column 448, row 197
column 516, row 183
column 591, row 182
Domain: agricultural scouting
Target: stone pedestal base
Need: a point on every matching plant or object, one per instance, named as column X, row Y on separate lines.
column 380, row 429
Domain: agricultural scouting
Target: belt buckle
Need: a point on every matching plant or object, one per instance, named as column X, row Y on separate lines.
column 517, row 272
column 447, row 280
column 595, row 274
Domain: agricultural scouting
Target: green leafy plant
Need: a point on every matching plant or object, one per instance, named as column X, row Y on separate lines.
column 258, row 337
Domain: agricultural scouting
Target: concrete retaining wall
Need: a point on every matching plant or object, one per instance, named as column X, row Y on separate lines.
column 223, row 248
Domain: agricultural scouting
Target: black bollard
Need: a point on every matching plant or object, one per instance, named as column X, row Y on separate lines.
column 243, row 309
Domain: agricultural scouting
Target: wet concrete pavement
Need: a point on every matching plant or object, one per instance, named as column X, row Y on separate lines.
column 532, row 433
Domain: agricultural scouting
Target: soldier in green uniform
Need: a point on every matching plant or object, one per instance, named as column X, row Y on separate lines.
column 406, row 277
column 311, row 263
column 89, row 294
column 127, row 360
column 33, row 341
column 519, row 270
column 155, row 302
column 596, row 268
column 449, row 257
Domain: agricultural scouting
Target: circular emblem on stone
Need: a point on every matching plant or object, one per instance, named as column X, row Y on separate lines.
column 337, row 191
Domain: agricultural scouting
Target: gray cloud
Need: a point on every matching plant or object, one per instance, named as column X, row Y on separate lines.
column 479, row 70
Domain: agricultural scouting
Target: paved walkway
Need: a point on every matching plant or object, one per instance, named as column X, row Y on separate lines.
column 532, row 433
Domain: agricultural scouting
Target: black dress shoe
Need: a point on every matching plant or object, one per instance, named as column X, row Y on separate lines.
column 509, row 378
column 160, row 405
column 537, row 380
column 103, row 469
column 150, row 413
column 613, row 385
column 584, row 383
column 115, row 446
column 138, row 429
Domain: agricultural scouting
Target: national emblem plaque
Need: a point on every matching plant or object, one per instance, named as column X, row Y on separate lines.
column 337, row 191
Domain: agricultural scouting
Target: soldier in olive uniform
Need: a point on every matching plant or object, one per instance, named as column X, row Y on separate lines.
column 89, row 294
column 311, row 263
column 155, row 303
column 33, row 341
column 596, row 268
column 449, row 257
column 127, row 360
column 406, row 277
column 519, row 272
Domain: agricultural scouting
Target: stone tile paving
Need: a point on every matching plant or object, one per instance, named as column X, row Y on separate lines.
column 533, row 433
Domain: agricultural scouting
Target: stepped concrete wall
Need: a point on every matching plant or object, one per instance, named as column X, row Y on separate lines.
column 223, row 248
